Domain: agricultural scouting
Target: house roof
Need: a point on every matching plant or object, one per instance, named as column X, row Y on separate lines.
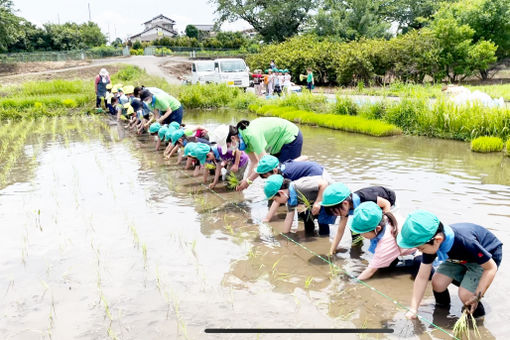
column 204, row 27
column 153, row 27
column 158, row 17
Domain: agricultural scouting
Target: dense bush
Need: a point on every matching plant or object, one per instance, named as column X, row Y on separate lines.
column 507, row 146
column 444, row 50
column 487, row 144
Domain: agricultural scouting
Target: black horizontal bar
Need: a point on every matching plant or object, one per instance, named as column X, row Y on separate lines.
column 299, row 330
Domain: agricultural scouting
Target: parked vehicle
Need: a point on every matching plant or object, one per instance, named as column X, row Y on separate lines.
column 202, row 72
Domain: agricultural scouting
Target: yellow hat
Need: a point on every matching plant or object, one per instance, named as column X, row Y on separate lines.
column 109, row 86
column 129, row 89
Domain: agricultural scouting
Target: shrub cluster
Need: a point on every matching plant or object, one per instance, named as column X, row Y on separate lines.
column 487, row 144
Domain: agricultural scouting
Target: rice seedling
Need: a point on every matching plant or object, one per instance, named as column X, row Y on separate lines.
column 461, row 327
column 275, row 264
column 232, row 181
column 144, row 252
column 487, row 144
column 338, row 122
column 308, row 282
column 358, row 240
column 229, row 228
column 38, row 220
column 136, row 239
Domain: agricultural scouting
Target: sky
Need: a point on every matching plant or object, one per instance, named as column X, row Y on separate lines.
column 121, row 18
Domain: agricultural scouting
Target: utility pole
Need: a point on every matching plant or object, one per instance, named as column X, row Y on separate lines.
column 90, row 17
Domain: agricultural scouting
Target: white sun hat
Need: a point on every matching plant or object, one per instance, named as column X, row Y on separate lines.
column 219, row 135
column 103, row 72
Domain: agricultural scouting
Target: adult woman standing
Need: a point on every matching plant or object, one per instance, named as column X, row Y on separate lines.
column 102, row 79
column 267, row 135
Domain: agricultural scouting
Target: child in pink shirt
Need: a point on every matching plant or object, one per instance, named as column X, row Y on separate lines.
column 381, row 229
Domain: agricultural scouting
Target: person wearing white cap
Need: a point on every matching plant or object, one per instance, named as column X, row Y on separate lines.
column 102, row 79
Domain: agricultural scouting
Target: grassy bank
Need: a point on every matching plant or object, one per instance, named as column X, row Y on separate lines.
column 333, row 121
column 398, row 89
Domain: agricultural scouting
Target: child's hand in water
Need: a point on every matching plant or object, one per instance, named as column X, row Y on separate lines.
column 316, row 208
column 234, row 168
column 411, row 314
column 212, row 185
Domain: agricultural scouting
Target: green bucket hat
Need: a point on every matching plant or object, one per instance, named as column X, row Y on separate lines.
column 176, row 135
column 154, row 128
column 367, row 217
column 200, row 152
column 335, row 194
column 169, row 131
column 188, row 148
column 162, row 132
column 267, row 163
column 273, row 184
column 419, row 228
column 175, row 125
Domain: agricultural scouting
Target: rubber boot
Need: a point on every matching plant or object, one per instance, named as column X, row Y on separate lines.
column 479, row 311
column 442, row 298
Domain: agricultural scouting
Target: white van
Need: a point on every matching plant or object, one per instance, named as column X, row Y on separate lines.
column 232, row 72
column 202, row 72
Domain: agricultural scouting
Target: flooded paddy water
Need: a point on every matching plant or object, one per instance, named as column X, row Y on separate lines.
column 102, row 238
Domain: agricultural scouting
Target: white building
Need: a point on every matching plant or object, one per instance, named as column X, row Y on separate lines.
column 156, row 28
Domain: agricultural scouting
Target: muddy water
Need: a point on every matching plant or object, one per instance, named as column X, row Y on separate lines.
column 101, row 238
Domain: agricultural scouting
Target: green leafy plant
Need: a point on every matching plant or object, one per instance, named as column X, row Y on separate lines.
column 487, row 144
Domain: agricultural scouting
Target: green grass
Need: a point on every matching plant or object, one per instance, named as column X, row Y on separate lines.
column 338, row 122
column 398, row 89
column 487, row 144
column 507, row 146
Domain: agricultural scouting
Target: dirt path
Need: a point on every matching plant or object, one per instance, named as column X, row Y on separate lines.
column 153, row 66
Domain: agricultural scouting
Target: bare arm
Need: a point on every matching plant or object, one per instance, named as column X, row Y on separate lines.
column 384, row 204
column 158, row 143
column 287, row 224
column 317, row 204
column 420, row 284
column 251, row 174
column 217, row 174
column 196, row 172
column 235, row 166
column 163, row 117
column 489, row 272
column 206, row 174
column 174, row 150
column 272, row 211
column 339, row 234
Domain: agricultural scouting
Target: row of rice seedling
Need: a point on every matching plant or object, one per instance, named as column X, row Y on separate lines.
column 338, row 122
column 37, row 102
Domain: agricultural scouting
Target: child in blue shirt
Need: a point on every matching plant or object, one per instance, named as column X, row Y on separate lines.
column 471, row 256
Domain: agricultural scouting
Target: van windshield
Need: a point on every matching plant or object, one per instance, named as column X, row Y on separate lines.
column 205, row 67
column 233, row 66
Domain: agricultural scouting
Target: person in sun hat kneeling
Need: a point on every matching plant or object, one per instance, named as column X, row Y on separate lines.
column 381, row 229
column 339, row 201
column 471, row 256
column 303, row 195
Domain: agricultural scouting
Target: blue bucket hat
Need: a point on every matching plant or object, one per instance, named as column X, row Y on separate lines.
column 366, row 217
column 169, row 131
column 419, row 228
column 335, row 194
column 266, row 164
column 175, row 125
column 162, row 132
column 200, row 152
column 154, row 128
column 273, row 184
column 188, row 148
column 176, row 135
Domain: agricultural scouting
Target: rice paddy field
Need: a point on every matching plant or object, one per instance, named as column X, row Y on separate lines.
column 104, row 239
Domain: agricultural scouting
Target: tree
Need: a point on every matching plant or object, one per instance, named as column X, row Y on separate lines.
column 409, row 14
column 91, row 35
column 351, row 20
column 8, row 24
column 274, row 20
column 490, row 20
column 191, row 31
column 117, row 42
